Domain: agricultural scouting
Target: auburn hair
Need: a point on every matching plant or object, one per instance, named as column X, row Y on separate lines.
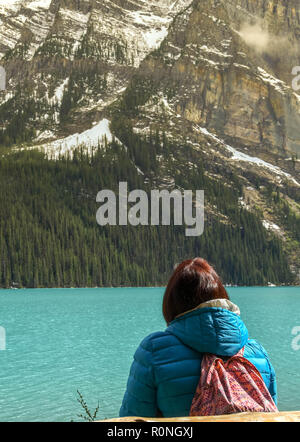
column 193, row 282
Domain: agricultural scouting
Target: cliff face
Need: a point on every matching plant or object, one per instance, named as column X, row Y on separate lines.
column 43, row 43
column 232, row 79
column 275, row 43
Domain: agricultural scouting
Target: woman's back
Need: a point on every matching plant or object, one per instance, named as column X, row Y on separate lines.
column 201, row 319
column 167, row 365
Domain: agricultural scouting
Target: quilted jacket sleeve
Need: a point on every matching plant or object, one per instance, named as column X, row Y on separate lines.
column 140, row 395
column 256, row 353
column 273, row 384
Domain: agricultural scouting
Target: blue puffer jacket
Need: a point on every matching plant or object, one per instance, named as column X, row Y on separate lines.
column 166, row 367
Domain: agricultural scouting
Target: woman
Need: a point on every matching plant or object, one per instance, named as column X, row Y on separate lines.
column 201, row 319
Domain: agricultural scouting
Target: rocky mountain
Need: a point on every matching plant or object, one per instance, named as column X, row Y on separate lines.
column 216, row 76
column 46, row 44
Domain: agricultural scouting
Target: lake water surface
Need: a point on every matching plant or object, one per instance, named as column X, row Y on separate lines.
column 59, row 341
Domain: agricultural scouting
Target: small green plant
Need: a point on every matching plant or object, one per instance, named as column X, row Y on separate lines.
column 89, row 415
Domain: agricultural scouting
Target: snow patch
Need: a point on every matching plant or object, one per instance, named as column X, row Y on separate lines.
column 59, row 91
column 9, row 4
column 144, row 18
column 215, row 51
column 38, row 4
column 75, row 16
column 243, row 66
column 44, row 135
column 240, row 156
column 76, row 23
column 271, row 226
column 89, row 138
column 279, row 85
column 154, row 37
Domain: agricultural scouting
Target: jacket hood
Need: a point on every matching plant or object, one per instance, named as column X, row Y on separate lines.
column 213, row 327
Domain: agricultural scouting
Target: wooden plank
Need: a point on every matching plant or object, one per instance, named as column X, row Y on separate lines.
column 284, row 416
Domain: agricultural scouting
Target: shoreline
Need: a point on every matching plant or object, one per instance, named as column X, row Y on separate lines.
column 141, row 287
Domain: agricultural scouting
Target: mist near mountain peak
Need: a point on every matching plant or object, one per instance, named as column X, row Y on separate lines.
column 263, row 41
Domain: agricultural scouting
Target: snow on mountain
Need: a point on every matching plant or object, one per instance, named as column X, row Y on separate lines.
column 154, row 37
column 38, row 4
column 75, row 22
column 140, row 30
column 271, row 226
column 31, row 4
column 9, row 4
column 279, row 85
column 241, row 156
column 140, row 26
column 97, row 135
column 59, row 91
column 120, row 36
column 21, row 19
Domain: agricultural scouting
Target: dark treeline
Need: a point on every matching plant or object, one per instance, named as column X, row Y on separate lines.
column 49, row 236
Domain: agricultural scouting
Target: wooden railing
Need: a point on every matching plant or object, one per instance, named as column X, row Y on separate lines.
column 284, row 416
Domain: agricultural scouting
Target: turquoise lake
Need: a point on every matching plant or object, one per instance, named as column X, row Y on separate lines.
column 59, row 341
